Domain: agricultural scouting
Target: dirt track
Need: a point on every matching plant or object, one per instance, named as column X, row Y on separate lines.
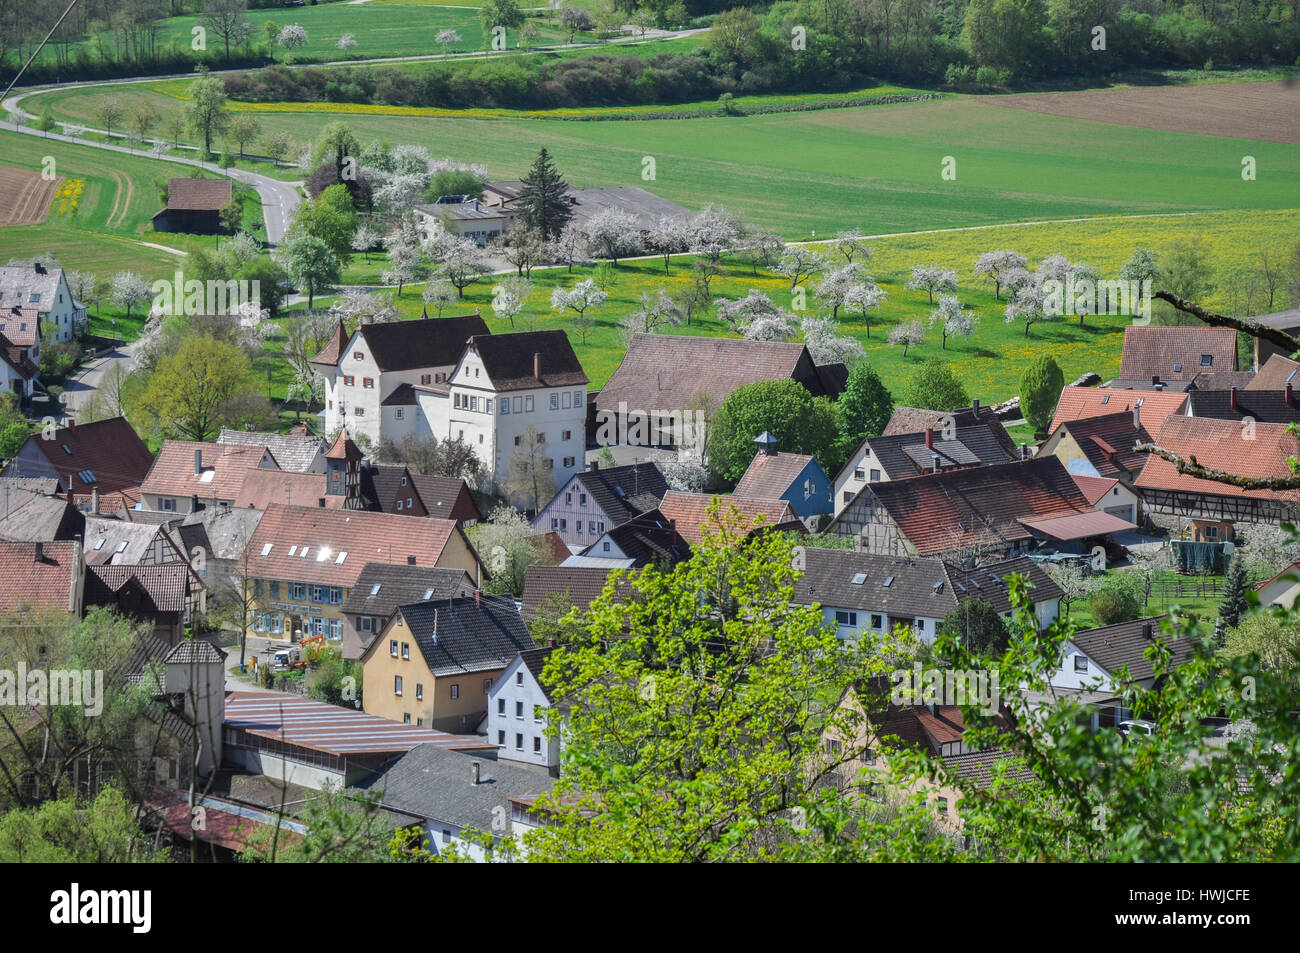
column 24, row 196
column 1269, row 112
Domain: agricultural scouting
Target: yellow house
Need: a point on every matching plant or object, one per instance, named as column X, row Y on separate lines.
column 302, row 562
column 434, row 663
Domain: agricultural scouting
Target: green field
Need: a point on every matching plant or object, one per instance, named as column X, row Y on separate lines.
column 106, row 231
column 877, row 168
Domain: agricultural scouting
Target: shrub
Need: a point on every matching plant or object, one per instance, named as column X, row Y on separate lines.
column 1118, row 600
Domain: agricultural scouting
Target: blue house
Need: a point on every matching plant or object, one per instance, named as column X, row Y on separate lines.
column 793, row 477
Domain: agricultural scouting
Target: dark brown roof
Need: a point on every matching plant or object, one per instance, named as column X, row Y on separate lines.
column 1176, row 353
column 1114, row 646
column 427, row 342
column 626, row 491
column 13, row 355
column 952, row 509
column 902, row 455
column 667, row 372
column 26, row 583
column 535, row 661
column 163, row 586
column 581, row 584
column 206, row 195
column 508, row 359
column 110, row 450
column 912, row 420
column 646, row 539
column 1280, row 406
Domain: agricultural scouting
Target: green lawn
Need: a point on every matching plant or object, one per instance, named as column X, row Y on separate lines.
column 875, row 168
column 1197, row 595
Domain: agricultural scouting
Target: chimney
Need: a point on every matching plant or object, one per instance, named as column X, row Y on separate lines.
column 94, row 500
column 1155, row 380
column 410, row 560
column 934, row 461
column 550, row 643
column 198, row 462
column 40, row 552
column 595, row 466
column 194, row 503
column 1286, row 394
column 475, row 769
column 1232, row 399
column 537, row 364
column 1146, row 631
column 1137, row 416
column 929, row 438
column 1024, row 451
column 478, row 598
column 975, row 408
column 321, row 501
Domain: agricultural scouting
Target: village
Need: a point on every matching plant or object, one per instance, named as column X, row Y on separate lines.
column 310, row 619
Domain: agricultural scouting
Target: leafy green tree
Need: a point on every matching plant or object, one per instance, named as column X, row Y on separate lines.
column 1118, row 599
column 1040, row 389
column 343, row 827
column 1186, row 271
column 14, row 429
column 977, row 625
column 244, row 128
column 331, row 218
column 935, row 386
column 863, row 410
column 205, row 110
column 192, row 392
column 67, row 830
column 692, row 725
column 543, row 201
column 503, row 13
column 311, row 264
column 1007, row 34
column 454, row 182
column 1273, row 639
column 801, row 423
column 336, row 144
column 270, row 277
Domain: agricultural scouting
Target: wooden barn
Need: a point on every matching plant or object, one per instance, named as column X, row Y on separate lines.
column 193, row 206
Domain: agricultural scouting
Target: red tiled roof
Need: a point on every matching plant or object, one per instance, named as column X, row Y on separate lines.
column 691, row 511
column 1093, row 488
column 206, row 195
column 110, row 449
column 224, row 467
column 21, row 325
column 939, row 512
column 13, row 355
column 26, row 584
column 1108, row 442
column 1175, row 353
column 769, row 477
column 1073, row 526
column 343, row 448
column 1277, row 372
column 261, row 488
column 1078, row 403
column 1222, row 445
column 359, row 536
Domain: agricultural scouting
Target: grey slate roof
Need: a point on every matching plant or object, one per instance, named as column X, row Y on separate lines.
column 920, row 586
column 401, row 585
column 40, row 519
column 1114, row 646
column 456, row 636
column 645, row 539
column 292, row 452
column 625, row 492
column 117, row 542
column 19, row 282
column 918, row 419
column 437, row 785
column 221, row 530
column 535, row 661
column 195, row 652
column 905, row 455
column 1265, row 406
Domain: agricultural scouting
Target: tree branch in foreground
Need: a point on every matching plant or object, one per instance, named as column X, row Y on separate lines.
column 1192, row 468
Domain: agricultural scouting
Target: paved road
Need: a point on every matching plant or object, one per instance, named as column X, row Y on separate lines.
column 78, row 389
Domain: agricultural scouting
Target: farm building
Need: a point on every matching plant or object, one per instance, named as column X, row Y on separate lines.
column 193, row 206
column 644, row 206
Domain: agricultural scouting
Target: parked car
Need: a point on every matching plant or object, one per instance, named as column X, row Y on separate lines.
column 1137, row 726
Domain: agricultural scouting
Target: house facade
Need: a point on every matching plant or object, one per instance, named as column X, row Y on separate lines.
column 597, row 500
column 434, row 663
column 517, row 707
column 41, row 289
column 369, row 374
column 796, row 478
column 502, row 385
column 102, row 463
